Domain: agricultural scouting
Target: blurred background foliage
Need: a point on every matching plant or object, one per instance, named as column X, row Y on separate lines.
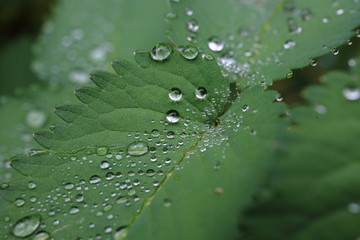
column 21, row 22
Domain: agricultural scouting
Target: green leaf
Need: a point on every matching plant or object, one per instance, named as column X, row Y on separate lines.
column 261, row 41
column 118, row 160
column 311, row 191
column 87, row 34
column 30, row 110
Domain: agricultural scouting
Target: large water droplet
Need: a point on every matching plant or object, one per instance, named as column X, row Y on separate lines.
column 137, row 148
column 172, row 116
column 175, row 94
column 216, row 44
column 26, row 226
column 200, row 92
column 161, row 51
column 351, row 93
column 189, row 52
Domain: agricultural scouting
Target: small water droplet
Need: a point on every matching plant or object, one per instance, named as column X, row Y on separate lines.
column 216, row 44
column 335, row 51
column 19, row 202
column 352, row 62
column 79, row 77
column 175, row 94
column 313, row 62
column 173, row 116
column 351, row 93
column 161, row 51
column 41, row 236
column 189, row 52
column 200, row 92
column 325, row 20
column 137, row 148
column 69, row 186
column 167, row 202
column 193, row 25
column 26, row 226
column 102, row 151
column 31, row 185
column 340, row 11
column 104, row 165
column 245, row 108
column 95, row 179
column 289, row 74
column 354, row 208
column 121, row 232
column 289, row 44
column 74, row 210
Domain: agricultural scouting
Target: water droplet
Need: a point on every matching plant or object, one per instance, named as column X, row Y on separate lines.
column 102, row 151
column 352, row 62
column 170, row 135
column 31, row 185
column 74, row 210
column 354, row 208
column 245, row 108
column 200, row 92
column 313, row 62
column 193, row 26
column 36, row 119
column 79, row 77
column 4, row 185
column 95, row 179
column 41, row 236
column 137, row 148
column 351, row 93
column 26, row 226
column 121, row 232
column 173, row 116
column 325, row 20
column 69, row 186
column 289, row 44
column 189, row 12
column 167, row 202
column 19, row 202
column 104, row 165
column 335, row 51
column 171, row 15
column 161, row 51
column 289, row 74
column 189, row 52
column 175, row 94
column 216, row 44
column 340, row 11
column 219, row 190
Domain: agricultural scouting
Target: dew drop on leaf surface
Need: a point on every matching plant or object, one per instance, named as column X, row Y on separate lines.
column 26, row 226
column 216, row 44
column 173, row 116
column 351, row 93
column 137, row 148
column 200, row 92
column 189, row 52
column 175, row 94
column 161, row 51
